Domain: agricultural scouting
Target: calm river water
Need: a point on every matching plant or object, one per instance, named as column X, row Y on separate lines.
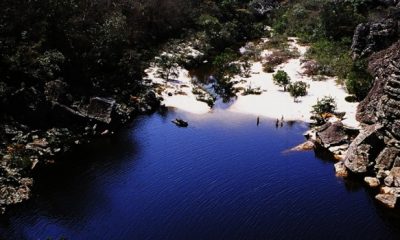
column 221, row 178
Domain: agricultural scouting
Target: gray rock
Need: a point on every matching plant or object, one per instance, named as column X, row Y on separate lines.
column 371, row 37
column 360, row 154
column 386, row 158
column 393, row 179
column 341, row 170
column 372, row 181
column 101, row 109
column 389, row 200
column 381, row 108
column 332, row 134
column 395, row 172
column 384, row 66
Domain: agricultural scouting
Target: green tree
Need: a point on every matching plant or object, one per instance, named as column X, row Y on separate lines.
column 323, row 106
column 298, row 89
column 282, row 79
column 167, row 67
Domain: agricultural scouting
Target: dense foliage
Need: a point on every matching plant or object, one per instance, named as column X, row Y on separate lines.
column 98, row 47
column 329, row 26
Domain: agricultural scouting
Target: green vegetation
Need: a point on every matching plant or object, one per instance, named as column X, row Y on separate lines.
column 101, row 47
column 298, row 89
column 358, row 81
column 167, row 67
column 282, row 79
column 252, row 91
column 328, row 27
column 324, row 106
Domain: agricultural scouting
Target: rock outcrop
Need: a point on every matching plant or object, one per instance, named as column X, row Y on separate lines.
column 376, row 150
column 372, row 37
column 363, row 149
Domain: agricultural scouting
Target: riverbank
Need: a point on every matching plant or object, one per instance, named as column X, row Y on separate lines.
column 270, row 101
column 223, row 177
column 25, row 149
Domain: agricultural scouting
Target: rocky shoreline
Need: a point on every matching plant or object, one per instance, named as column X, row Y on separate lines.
column 24, row 149
column 40, row 123
column 373, row 153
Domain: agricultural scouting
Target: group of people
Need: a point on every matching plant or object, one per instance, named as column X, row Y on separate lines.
column 277, row 123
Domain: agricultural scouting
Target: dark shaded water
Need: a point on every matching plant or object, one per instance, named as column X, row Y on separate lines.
column 221, row 178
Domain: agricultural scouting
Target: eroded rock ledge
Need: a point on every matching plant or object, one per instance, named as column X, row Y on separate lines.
column 375, row 152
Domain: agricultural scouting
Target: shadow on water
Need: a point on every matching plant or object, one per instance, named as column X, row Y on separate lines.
column 74, row 177
column 223, row 177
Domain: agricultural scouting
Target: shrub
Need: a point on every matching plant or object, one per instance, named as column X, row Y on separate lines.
column 252, row 91
column 268, row 68
column 167, row 67
column 282, row 79
column 326, row 105
column 298, row 89
column 358, row 81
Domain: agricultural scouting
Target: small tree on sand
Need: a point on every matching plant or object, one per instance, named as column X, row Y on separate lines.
column 282, row 79
column 298, row 89
column 326, row 105
column 167, row 67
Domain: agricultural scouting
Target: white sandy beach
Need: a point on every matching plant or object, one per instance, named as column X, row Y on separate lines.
column 183, row 83
column 273, row 102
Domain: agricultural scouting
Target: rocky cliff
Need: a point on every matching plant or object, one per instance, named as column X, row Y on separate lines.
column 376, row 150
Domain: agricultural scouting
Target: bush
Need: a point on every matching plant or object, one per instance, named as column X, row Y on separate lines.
column 167, row 67
column 358, row 81
column 298, row 89
column 282, row 79
column 268, row 68
column 332, row 57
column 252, row 91
column 326, row 105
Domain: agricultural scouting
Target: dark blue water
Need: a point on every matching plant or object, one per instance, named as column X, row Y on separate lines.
column 221, row 178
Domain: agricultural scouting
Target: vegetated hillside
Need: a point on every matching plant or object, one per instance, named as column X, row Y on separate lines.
column 329, row 27
column 99, row 47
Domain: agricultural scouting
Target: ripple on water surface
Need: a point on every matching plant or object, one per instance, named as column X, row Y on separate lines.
column 221, row 178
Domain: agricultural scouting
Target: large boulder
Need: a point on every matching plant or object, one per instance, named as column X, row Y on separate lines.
column 386, row 158
column 332, row 134
column 389, row 200
column 372, row 181
column 363, row 150
column 101, row 109
column 394, row 178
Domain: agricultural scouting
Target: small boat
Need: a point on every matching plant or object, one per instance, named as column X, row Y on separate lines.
column 180, row 123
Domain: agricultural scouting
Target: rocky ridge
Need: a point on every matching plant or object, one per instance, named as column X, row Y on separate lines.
column 375, row 152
